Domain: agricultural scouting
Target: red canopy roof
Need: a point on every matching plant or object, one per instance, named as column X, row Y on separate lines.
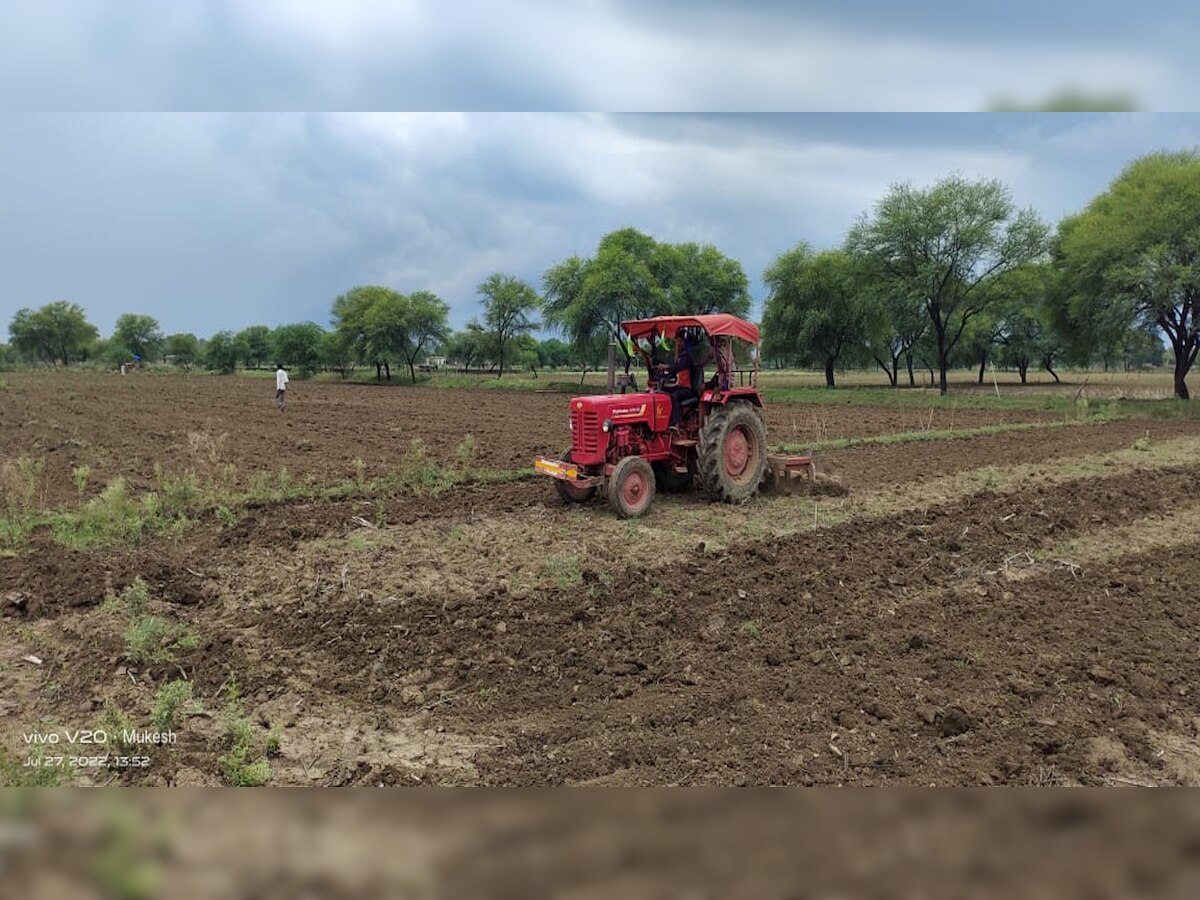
column 715, row 324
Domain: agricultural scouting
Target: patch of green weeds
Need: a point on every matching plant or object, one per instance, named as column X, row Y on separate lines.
column 241, row 764
column 110, row 519
column 168, row 701
column 150, row 639
column 79, row 477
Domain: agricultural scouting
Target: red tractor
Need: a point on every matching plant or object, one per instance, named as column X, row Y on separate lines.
column 628, row 443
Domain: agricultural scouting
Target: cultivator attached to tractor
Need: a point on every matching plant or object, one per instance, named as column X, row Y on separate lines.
column 682, row 429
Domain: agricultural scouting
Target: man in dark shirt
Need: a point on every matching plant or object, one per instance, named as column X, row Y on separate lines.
column 681, row 371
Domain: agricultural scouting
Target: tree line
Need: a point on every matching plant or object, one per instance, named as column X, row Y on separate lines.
column 929, row 279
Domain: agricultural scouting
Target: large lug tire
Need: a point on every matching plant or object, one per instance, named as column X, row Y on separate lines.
column 631, row 487
column 670, row 481
column 733, row 452
column 568, row 492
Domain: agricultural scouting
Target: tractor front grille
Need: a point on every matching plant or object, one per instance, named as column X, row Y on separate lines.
column 587, row 431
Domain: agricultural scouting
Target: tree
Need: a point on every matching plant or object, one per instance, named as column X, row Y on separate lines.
column 387, row 330
column 701, row 279
column 351, row 317
column 895, row 322
column 221, row 352
column 980, row 339
column 1132, row 258
column 298, row 346
column 337, row 353
column 553, row 353
column 1141, row 347
column 468, row 346
column 947, row 242
column 254, row 345
column 507, row 303
column 525, row 353
column 818, row 304
column 58, row 332
column 633, row 276
column 139, row 334
column 1023, row 322
column 183, row 349
column 427, row 325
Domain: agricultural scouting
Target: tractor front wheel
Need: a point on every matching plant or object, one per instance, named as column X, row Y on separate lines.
column 733, row 452
column 568, row 492
column 631, row 487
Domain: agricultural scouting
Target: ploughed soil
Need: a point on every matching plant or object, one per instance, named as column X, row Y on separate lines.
column 490, row 635
column 128, row 426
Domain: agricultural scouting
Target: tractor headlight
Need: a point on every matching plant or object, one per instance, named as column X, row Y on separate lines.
column 606, row 427
column 571, row 424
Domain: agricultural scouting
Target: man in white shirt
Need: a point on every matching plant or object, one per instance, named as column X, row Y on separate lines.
column 281, row 380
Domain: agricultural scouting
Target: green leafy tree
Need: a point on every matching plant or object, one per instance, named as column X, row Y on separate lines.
column 371, row 344
column 633, row 276
column 701, row 279
column 1142, row 347
column 298, row 346
column 427, row 326
column 978, row 344
column 1132, row 258
column 337, row 353
column 507, row 304
column 1023, row 321
column 57, row 332
column 387, row 332
column 945, row 243
column 183, row 349
column 139, row 334
column 818, row 305
column 525, row 353
column 254, row 345
column 469, row 346
column 221, row 352
column 896, row 320
column 554, row 354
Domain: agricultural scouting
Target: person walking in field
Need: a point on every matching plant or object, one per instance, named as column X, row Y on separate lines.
column 281, row 380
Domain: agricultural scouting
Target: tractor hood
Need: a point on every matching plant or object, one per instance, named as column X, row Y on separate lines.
column 623, row 409
column 590, row 415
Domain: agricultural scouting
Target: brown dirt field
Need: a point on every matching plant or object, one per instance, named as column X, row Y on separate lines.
column 127, row 426
column 490, row 635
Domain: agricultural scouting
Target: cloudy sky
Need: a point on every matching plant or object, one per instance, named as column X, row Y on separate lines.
column 212, row 221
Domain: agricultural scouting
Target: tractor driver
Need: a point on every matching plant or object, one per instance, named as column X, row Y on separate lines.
column 681, row 370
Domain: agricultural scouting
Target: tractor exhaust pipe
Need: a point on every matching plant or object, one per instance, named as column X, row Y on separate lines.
column 612, row 367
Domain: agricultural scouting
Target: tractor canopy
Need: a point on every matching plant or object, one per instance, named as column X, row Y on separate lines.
column 714, row 325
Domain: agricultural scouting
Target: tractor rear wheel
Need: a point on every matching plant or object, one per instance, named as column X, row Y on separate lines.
column 570, row 493
column 669, row 480
column 733, row 452
column 631, row 487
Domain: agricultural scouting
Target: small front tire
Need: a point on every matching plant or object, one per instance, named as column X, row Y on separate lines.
column 631, row 487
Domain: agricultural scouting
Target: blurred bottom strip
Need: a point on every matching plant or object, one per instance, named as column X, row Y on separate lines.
column 599, row 843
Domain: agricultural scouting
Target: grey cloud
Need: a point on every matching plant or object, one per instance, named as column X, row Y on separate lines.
column 213, row 221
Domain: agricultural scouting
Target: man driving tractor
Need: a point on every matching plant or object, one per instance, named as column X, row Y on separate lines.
column 679, row 430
